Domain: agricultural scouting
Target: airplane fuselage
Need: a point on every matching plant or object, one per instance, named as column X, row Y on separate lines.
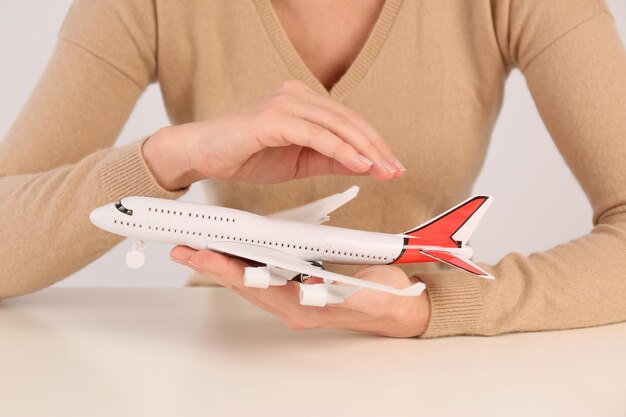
column 199, row 226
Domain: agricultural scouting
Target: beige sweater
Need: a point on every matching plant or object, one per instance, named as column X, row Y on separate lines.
column 430, row 79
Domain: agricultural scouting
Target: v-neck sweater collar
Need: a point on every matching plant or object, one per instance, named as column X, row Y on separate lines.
column 357, row 70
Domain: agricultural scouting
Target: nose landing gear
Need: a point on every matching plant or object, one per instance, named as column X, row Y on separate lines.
column 136, row 257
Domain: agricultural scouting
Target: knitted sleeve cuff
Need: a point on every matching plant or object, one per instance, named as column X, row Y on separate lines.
column 124, row 172
column 456, row 303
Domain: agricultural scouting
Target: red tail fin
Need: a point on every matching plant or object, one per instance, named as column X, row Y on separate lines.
column 454, row 227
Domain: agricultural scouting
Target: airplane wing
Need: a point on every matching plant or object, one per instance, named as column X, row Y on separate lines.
column 317, row 212
column 272, row 257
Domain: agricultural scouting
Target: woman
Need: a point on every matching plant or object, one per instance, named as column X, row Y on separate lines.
column 420, row 79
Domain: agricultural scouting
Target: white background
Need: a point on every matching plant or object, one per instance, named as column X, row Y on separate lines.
column 537, row 208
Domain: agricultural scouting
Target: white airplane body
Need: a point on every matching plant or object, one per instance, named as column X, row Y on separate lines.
column 292, row 243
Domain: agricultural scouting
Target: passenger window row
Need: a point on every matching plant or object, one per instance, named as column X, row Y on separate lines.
column 127, row 224
column 190, row 214
column 259, row 242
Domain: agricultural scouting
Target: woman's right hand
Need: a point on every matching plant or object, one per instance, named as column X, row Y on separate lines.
column 290, row 133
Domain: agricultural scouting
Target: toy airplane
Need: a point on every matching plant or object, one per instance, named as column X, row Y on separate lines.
column 292, row 244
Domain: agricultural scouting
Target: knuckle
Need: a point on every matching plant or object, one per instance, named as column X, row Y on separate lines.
column 280, row 100
column 263, row 114
column 352, row 116
column 197, row 261
column 269, row 113
column 341, row 119
column 342, row 148
column 382, row 146
column 371, row 148
column 316, row 132
column 377, row 140
column 264, row 125
column 268, row 125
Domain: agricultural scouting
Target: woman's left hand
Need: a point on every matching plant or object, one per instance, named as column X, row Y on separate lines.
column 366, row 310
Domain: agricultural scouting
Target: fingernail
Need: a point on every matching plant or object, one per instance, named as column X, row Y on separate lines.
column 364, row 160
column 388, row 166
column 178, row 261
column 397, row 163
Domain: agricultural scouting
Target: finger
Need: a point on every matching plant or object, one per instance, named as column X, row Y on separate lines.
column 181, row 254
column 226, row 270
column 358, row 120
column 341, row 125
column 301, row 132
column 311, row 163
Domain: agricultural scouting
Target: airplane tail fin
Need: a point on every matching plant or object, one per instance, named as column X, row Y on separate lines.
column 453, row 228
column 443, row 238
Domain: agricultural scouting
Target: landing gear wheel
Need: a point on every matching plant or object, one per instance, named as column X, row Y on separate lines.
column 136, row 257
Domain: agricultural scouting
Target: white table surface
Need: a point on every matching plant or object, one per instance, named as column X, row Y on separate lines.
column 205, row 352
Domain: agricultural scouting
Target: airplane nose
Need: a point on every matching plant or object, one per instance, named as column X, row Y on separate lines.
column 99, row 216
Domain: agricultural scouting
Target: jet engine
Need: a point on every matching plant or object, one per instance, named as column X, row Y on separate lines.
column 261, row 277
column 315, row 295
column 318, row 295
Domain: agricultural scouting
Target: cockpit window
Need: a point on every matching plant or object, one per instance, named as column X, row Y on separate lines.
column 123, row 209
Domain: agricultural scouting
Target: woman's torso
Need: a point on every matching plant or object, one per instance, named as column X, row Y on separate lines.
column 430, row 78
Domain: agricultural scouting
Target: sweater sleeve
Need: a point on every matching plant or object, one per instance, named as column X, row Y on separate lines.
column 577, row 76
column 56, row 161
